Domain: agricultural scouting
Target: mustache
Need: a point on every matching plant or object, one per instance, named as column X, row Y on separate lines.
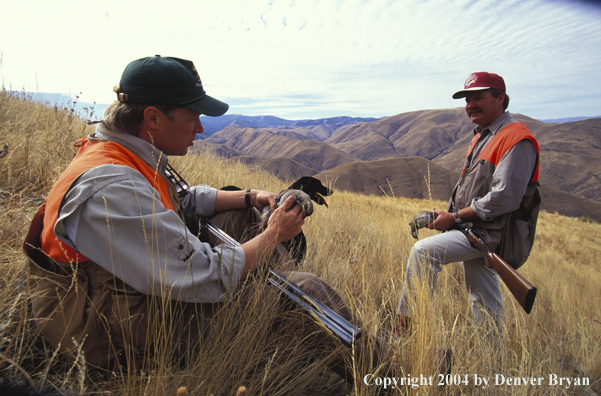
column 474, row 110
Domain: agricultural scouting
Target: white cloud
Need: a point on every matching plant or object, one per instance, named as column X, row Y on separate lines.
column 299, row 58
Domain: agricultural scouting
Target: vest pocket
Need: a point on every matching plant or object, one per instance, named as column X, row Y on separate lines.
column 127, row 315
column 63, row 313
column 512, row 248
column 476, row 182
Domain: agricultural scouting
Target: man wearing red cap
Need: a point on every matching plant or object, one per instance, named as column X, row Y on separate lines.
column 497, row 192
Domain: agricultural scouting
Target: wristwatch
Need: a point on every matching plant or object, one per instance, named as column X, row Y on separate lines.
column 457, row 218
column 247, row 198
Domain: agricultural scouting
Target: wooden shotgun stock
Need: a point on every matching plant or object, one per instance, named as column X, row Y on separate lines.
column 523, row 291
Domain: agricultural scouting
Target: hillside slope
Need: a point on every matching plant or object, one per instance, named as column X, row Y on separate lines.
column 319, row 129
column 411, row 177
column 570, row 152
column 284, row 168
column 415, row 177
column 264, row 144
column 428, row 134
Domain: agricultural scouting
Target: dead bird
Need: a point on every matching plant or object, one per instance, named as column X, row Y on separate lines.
column 300, row 198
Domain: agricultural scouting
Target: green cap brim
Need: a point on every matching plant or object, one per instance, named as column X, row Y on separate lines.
column 207, row 105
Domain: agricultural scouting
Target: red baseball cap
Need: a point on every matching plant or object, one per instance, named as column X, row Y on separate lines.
column 480, row 81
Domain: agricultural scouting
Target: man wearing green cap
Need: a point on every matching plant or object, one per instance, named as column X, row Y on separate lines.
column 113, row 233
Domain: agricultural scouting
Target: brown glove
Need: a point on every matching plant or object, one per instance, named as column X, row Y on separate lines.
column 421, row 220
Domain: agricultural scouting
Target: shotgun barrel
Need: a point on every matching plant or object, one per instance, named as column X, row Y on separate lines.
column 324, row 315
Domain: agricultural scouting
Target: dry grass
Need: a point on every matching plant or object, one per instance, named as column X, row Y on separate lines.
column 359, row 245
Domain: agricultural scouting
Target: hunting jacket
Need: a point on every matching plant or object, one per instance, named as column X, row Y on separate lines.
column 499, row 181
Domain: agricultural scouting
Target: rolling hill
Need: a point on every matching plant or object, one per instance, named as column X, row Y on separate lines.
column 284, row 168
column 408, row 177
column 355, row 155
column 264, row 144
column 570, row 152
column 428, row 134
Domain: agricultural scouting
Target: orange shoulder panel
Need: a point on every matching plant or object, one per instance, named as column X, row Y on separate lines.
column 504, row 140
column 91, row 155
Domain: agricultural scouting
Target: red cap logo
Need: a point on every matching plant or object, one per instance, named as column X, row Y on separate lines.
column 480, row 81
column 470, row 80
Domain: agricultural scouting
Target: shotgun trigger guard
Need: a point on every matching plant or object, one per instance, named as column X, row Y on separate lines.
column 483, row 247
column 485, row 251
column 466, row 229
column 478, row 235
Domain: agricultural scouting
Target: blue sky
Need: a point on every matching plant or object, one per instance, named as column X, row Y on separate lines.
column 300, row 59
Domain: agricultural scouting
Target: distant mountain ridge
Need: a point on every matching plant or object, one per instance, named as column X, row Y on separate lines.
column 268, row 145
column 568, row 119
column 315, row 129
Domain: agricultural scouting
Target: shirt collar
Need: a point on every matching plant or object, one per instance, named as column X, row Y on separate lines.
column 497, row 125
column 146, row 151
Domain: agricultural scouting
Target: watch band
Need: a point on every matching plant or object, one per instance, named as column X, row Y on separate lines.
column 247, row 198
column 457, row 218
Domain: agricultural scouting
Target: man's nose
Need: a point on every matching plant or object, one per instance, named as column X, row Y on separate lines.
column 469, row 104
column 199, row 128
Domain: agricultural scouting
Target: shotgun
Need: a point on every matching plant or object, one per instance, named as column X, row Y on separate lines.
column 321, row 313
column 523, row 291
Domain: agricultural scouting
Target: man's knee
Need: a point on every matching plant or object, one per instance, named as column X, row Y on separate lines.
column 423, row 257
column 423, row 250
column 316, row 287
column 307, row 281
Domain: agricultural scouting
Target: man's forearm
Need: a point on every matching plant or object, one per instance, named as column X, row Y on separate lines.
column 446, row 220
column 227, row 200
column 467, row 214
column 258, row 250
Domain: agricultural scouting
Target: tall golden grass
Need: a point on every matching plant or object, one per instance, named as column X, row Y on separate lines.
column 359, row 246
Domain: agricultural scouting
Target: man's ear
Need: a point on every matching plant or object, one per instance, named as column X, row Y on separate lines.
column 152, row 117
column 150, row 124
column 501, row 99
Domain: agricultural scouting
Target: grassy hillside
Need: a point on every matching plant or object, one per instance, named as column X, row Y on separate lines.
column 409, row 177
column 359, row 246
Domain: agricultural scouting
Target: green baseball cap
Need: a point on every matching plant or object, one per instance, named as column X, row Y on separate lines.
column 157, row 80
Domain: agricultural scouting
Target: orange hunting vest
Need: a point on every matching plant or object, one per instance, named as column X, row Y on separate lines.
column 505, row 139
column 90, row 155
column 510, row 235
